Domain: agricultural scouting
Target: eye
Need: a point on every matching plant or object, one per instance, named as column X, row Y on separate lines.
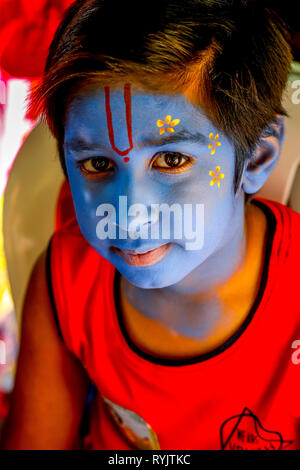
column 172, row 162
column 95, row 166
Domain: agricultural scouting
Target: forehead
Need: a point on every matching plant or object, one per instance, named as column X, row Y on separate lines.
column 88, row 111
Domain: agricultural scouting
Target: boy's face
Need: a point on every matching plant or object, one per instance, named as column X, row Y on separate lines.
column 125, row 147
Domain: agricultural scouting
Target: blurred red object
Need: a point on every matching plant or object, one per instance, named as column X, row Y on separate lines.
column 26, row 31
column 4, row 405
column 65, row 211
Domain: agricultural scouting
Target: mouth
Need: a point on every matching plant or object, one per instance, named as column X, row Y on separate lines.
column 137, row 258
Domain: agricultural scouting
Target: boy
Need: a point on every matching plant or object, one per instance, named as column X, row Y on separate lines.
column 184, row 324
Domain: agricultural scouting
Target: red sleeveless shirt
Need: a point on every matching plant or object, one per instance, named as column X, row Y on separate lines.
column 243, row 395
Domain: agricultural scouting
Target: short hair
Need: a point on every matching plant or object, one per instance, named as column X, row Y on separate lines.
column 231, row 57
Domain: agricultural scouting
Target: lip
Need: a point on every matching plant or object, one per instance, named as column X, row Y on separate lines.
column 140, row 257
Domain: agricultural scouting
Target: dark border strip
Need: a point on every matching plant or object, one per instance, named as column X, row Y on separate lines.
column 50, row 289
column 203, row 357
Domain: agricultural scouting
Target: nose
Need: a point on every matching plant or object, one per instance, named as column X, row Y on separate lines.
column 136, row 212
column 135, row 220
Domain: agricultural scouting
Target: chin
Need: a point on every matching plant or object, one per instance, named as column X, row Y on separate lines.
column 149, row 281
column 152, row 277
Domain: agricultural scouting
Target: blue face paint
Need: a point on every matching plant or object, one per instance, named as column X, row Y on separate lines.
column 174, row 166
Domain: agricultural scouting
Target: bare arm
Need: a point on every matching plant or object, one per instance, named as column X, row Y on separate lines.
column 51, row 385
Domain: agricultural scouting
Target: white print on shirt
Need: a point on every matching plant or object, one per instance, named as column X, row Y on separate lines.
column 296, row 354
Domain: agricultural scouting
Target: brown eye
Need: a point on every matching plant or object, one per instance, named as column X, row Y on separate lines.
column 172, row 161
column 96, row 165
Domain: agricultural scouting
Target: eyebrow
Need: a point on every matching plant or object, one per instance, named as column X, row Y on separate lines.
column 79, row 144
column 180, row 136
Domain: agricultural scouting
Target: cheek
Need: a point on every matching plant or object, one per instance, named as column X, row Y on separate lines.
column 87, row 194
column 85, row 202
column 80, row 191
column 218, row 206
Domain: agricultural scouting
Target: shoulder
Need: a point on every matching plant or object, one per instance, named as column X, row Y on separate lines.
column 76, row 275
column 280, row 211
column 284, row 226
column 69, row 232
column 282, row 266
column 69, row 255
column 68, row 250
column 282, row 243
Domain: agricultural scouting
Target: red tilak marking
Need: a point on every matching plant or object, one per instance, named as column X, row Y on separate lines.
column 127, row 99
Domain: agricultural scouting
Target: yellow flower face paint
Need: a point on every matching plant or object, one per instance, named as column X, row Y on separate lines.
column 216, row 176
column 214, row 143
column 167, row 122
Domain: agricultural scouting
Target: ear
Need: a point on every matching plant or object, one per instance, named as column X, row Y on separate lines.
column 264, row 156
